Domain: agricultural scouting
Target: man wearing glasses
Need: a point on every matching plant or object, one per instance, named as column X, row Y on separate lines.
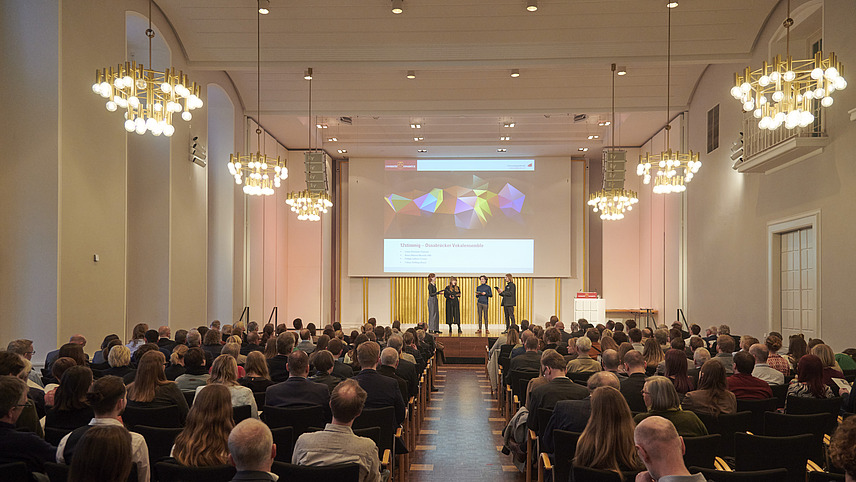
column 18, row 446
column 25, row 348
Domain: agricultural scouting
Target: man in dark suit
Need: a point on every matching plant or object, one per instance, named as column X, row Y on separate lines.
column 278, row 364
column 411, row 349
column 509, row 300
column 252, row 343
column 405, row 369
column 631, row 387
column 388, row 362
column 564, row 334
column 164, row 341
column 340, row 369
column 573, row 415
column 558, row 387
column 524, row 335
column 553, row 339
column 382, row 391
column 297, row 390
column 529, row 360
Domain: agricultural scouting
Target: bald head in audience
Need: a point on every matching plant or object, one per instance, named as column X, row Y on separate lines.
column 389, row 357
column 251, row 446
column 603, row 379
column 634, row 362
column 660, row 448
column 347, row 401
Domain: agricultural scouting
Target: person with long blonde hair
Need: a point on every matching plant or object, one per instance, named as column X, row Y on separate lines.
column 607, row 441
column 151, row 388
column 258, row 375
column 653, row 354
column 224, row 371
column 203, row 442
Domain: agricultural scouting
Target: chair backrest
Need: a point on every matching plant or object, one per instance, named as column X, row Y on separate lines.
column 780, row 392
column 260, row 398
column 825, row 477
column 168, row 416
column 755, row 452
column 701, row 451
column 758, row 408
column 786, row 425
column 803, row 406
column 384, row 419
column 168, row 472
column 159, row 440
column 595, row 475
column 773, row 475
column 298, row 418
column 55, row 472
column 565, row 446
column 305, row 473
column 54, row 435
column 15, row 472
column 241, row 413
column 543, row 415
column 580, row 377
column 516, row 377
column 726, row 425
column 284, row 439
column 189, row 396
column 850, row 375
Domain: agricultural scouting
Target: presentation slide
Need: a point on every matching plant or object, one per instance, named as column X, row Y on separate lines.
column 459, row 216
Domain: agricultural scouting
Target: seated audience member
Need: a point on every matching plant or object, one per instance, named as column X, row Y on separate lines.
column 234, row 350
column 277, row 366
column 163, row 340
column 607, row 343
column 842, row 449
column 712, row 396
column 573, row 415
column 773, row 342
column 809, row 380
column 176, row 363
column 797, row 348
column 662, row 451
column 700, row 357
column 521, row 348
column 830, row 367
column 635, row 335
column 593, row 334
column 100, row 356
column 662, row 400
column 607, row 441
column 529, row 360
column 24, row 348
column 70, row 409
column 610, row 361
column 553, row 340
column 583, row 363
column 675, row 369
column 305, row 343
column 35, row 393
column 251, row 451
column 631, row 387
column 195, row 374
column 405, row 368
column 743, row 384
column 212, row 343
column 15, row 445
column 252, row 344
column 138, row 337
column 107, row 399
column 411, row 348
column 724, row 349
column 297, row 390
column 258, row 377
column 58, row 368
column 335, row 347
column 388, row 364
column 103, row 453
column 151, row 388
column 653, row 355
column 203, row 441
column 337, row 444
column 762, row 369
column 224, row 371
column 381, row 391
column 557, row 388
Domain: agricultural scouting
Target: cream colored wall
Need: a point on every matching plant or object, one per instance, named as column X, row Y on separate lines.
column 729, row 211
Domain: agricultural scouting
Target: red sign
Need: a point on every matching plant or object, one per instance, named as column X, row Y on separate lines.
column 586, row 294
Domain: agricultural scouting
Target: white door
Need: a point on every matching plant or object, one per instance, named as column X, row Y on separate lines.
column 798, row 290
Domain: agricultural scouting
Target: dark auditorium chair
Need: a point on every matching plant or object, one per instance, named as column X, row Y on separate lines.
column 504, row 358
column 53, row 435
column 260, row 399
column 755, row 452
column 580, row 377
column 298, row 418
column 773, row 475
column 803, row 406
column 587, row 474
column 59, row 473
column 565, row 446
column 786, row 425
column 726, row 425
column 815, row 476
column 514, row 379
column 384, row 419
column 850, row 375
column 701, row 451
column 189, row 396
column 283, row 437
column 241, row 413
column 15, row 472
column 758, row 408
column 780, row 392
column 169, row 472
column 543, row 415
column 305, row 473
column 159, row 440
column 166, row 417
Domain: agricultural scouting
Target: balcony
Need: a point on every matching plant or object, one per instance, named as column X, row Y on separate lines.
column 766, row 151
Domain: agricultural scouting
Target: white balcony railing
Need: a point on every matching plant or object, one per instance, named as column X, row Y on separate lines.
column 765, row 150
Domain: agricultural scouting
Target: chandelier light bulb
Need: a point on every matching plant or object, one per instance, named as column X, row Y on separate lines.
column 187, row 116
column 789, row 76
column 826, row 101
column 736, row 92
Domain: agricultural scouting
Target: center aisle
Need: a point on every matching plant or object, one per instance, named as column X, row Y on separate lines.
column 461, row 436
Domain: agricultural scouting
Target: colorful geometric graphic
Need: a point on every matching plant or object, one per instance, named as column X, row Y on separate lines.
column 470, row 206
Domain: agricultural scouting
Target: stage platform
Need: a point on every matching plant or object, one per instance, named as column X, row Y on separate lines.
column 467, row 347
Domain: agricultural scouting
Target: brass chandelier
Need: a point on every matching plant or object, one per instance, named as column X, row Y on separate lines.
column 787, row 91
column 674, row 169
column 259, row 174
column 613, row 199
column 148, row 97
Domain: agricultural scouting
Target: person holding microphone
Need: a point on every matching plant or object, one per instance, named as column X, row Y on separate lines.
column 453, row 304
column 483, row 293
column 509, row 300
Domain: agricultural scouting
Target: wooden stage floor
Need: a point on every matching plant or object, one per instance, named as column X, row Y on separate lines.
column 467, row 347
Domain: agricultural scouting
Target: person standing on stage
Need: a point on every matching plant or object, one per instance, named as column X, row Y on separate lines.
column 453, row 304
column 433, row 308
column 509, row 300
column 483, row 292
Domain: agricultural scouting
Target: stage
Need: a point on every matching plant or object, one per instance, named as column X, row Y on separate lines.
column 467, row 347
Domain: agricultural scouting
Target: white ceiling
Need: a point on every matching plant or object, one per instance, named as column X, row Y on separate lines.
column 463, row 54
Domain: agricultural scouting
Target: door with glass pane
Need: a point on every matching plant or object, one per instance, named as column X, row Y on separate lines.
column 798, row 290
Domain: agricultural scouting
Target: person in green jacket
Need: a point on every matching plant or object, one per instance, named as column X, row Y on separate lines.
column 662, row 400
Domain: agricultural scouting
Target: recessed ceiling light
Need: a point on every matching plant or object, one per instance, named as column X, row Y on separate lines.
column 415, row 126
column 583, row 149
column 307, row 74
column 671, row 4
column 418, row 139
column 594, row 136
column 342, row 151
column 505, row 138
column 421, row 150
column 531, row 5
column 264, row 7
column 502, row 150
column 397, row 6
column 321, row 126
column 508, row 124
column 515, row 73
column 621, row 70
column 411, row 74
column 332, row 139
column 604, row 123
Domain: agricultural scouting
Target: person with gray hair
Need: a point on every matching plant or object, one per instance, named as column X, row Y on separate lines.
column 583, row 363
column 662, row 400
column 762, row 370
column 193, row 338
column 25, row 348
column 573, row 414
column 388, row 363
column 610, row 362
column 251, row 451
column 406, row 367
column 337, row 443
column 662, row 451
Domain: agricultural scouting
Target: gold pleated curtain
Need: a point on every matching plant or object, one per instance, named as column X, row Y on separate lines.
column 410, row 300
